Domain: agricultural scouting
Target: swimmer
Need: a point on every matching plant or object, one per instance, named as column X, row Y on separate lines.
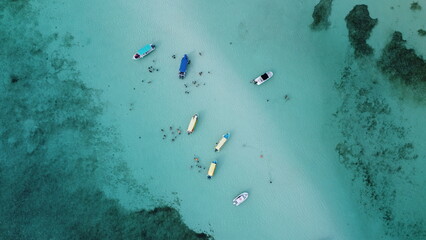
column 286, row 97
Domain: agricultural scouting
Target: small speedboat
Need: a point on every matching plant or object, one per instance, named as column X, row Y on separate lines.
column 147, row 49
column 240, row 198
column 183, row 66
column 210, row 173
column 262, row 78
column 222, row 141
column 192, row 124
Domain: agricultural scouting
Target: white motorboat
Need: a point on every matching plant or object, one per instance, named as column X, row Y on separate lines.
column 240, row 198
column 263, row 78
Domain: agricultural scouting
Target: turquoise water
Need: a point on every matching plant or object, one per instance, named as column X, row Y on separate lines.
column 83, row 147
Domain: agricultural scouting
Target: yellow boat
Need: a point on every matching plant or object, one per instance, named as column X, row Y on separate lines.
column 222, row 141
column 192, row 124
column 211, row 169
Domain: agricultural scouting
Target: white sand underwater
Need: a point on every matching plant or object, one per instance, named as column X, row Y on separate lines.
column 290, row 143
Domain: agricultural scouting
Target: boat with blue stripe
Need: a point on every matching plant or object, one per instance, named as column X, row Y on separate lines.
column 221, row 142
column 212, row 168
column 147, row 49
column 183, row 66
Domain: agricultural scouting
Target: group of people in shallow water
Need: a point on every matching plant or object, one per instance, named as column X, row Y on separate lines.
column 179, row 132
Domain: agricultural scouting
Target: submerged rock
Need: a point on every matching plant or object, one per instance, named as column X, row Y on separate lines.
column 379, row 153
column 360, row 24
column 415, row 6
column 400, row 62
column 320, row 15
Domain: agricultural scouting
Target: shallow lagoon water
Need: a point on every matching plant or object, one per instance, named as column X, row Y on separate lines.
column 313, row 194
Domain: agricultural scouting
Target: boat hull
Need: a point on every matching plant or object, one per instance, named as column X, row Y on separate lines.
column 192, row 124
column 221, row 142
column 212, row 168
column 143, row 52
column 259, row 80
column 240, row 198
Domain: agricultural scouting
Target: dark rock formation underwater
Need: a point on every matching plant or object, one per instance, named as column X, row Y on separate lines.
column 321, row 14
column 360, row 24
column 375, row 145
column 54, row 154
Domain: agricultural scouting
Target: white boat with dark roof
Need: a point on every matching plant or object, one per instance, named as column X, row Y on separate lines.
column 263, row 78
column 240, row 198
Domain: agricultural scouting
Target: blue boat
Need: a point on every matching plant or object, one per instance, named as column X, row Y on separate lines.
column 147, row 49
column 183, row 66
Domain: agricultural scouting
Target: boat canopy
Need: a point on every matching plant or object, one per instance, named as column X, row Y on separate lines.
column 145, row 49
column 183, row 63
column 264, row 76
column 222, row 141
column 192, row 123
column 210, row 173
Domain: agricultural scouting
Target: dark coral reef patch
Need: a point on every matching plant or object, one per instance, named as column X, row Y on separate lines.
column 321, row 14
column 415, row 6
column 360, row 25
column 377, row 151
column 400, row 62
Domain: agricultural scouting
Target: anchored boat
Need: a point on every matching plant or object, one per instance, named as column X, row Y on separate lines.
column 240, row 198
column 222, row 141
column 192, row 124
column 212, row 167
column 262, row 78
column 147, row 49
column 183, row 66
